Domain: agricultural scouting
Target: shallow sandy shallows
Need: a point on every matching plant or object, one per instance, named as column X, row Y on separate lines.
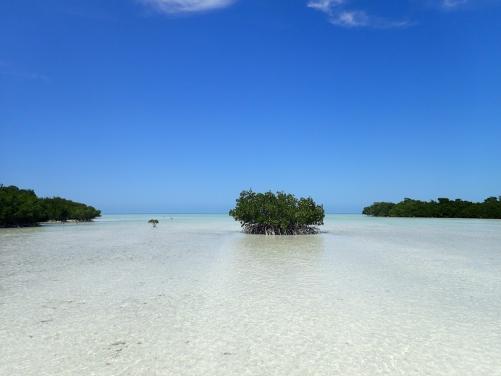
column 196, row 297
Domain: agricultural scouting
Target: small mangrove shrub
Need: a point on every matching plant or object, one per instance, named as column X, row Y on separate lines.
column 277, row 213
column 154, row 222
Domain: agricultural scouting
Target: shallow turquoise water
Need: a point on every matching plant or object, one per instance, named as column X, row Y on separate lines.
column 195, row 296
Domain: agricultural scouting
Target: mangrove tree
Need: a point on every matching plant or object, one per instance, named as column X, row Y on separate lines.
column 22, row 207
column 277, row 213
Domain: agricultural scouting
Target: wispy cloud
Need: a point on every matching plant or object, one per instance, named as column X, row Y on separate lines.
column 340, row 13
column 186, row 6
column 452, row 4
column 7, row 70
column 26, row 76
column 324, row 5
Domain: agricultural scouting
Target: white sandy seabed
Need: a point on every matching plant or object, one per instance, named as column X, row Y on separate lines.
column 197, row 297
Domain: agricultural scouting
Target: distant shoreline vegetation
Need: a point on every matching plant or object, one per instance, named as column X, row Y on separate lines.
column 277, row 214
column 442, row 208
column 22, row 208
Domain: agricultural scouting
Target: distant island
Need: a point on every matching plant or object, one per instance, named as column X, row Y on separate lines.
column 442, row 208
column 277, row 214
column 22, row 207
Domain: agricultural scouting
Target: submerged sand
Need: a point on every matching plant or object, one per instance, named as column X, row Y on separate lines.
column 195, row 296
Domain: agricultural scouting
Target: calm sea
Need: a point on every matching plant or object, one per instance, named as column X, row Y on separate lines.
column 194, row 296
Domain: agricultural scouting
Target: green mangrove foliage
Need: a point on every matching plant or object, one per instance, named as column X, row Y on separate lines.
column 22, row 207
column 442, row 208
column 154, row 222
column 277, row 214
column 19, row 207
column 60, row 209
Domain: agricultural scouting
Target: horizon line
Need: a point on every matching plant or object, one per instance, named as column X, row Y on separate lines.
column 199, row 213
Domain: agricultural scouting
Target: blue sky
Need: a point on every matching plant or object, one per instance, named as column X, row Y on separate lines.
column 177, row 105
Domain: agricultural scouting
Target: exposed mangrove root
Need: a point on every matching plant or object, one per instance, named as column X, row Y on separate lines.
column 260, row 229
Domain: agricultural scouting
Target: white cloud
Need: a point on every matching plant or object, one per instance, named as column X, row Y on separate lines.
column 186, row 6
column 340, row 14
column 450, row 4
column 351, row 19
column 324, row 5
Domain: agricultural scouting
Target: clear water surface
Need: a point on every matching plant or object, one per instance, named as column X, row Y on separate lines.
column 194, row 296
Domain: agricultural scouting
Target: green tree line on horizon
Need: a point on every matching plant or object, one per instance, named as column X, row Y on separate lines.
column 490, row 208
column 22, row 207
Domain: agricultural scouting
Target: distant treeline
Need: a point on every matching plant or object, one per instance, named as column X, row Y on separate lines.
column 442, row 208
column 22, row 207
